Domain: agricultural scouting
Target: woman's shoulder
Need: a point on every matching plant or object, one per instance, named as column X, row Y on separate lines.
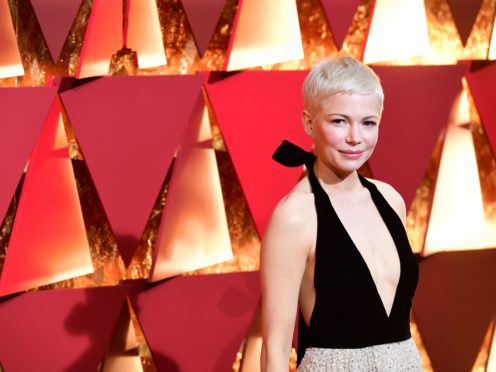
column 295, row 209
column 392, row 196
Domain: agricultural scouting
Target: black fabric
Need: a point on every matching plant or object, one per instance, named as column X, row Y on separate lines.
column 348, row 311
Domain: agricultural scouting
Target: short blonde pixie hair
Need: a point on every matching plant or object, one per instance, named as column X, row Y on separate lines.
column 340, row 75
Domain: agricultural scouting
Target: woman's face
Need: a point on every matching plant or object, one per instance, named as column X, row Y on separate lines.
column 345, row 130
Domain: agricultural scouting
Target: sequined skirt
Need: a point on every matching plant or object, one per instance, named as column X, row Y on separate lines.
column 395, row 356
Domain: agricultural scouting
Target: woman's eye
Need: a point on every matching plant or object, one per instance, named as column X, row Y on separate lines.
column 338, row 121
column 369, row 123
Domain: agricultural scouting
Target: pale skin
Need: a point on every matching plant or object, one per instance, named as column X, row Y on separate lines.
column 345, row 130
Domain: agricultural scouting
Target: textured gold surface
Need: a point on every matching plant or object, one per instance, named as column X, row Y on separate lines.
column 478, row 42
column 483, row 355
column 426, row 361
column 354, row 43
column 443, row 35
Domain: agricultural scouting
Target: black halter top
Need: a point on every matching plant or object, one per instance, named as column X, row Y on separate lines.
column 348, row 310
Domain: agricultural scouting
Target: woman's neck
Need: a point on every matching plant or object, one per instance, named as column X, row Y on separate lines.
column 336, row 180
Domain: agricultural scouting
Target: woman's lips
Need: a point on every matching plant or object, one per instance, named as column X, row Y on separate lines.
column 351, row 154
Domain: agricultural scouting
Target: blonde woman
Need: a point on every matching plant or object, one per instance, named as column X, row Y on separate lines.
column 336, row 246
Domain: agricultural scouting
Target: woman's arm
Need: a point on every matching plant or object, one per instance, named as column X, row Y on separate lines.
column 284, row 253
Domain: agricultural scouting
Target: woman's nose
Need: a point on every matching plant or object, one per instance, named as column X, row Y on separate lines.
column 354, row 136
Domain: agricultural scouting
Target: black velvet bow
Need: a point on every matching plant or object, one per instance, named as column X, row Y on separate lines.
column 290, row 155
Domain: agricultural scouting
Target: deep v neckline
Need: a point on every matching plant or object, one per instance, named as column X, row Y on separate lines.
column 357, row 252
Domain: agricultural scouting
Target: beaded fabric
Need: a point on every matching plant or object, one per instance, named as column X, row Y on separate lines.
column 395, row 357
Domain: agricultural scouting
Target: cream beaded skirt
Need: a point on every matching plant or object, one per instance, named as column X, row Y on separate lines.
column 396, row 356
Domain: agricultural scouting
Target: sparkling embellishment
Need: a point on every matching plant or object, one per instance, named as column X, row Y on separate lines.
column 395, row 356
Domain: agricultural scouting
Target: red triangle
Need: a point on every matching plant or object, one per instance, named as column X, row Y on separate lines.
column 55, row 18
column 465, row 13
column 256, row 111
column 19, row 128
column 58, row 330
column 128, row 129
column 453, row 306
column 339, row 15
column 481, row 84
column 48, row 242
column 417, row 104
column 203, row 17
column 206, row 316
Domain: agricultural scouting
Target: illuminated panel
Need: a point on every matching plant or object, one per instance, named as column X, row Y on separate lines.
column 103, row 38
column 198, row 322
column 457, row 217
column 55, row 18
column 10, row 58
column 48, row 242
column 339, row 15
column 19, row 129
column 194, row 232
column 143, row 33
column 266, row 32
column 58, row 330
column 398, row 30
column 492, row 46
column 203, row 17
column 129, row 129
column 252, row 135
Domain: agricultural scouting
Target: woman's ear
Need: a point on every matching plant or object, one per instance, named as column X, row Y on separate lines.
column 307, row 122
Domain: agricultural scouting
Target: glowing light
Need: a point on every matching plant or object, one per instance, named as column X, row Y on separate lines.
column 398, row 30
column 143, row 34
column 10, row 58
column 195, row 233
column 457, row 220
column 103, row 38
column 492, row 46
column 267, row 32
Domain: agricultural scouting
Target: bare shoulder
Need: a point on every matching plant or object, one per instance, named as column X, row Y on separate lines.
column 293, row 221
column 393, row 197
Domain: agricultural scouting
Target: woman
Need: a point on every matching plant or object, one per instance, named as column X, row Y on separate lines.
column 336, row 246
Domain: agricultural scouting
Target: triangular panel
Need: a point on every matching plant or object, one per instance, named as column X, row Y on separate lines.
column 194, row 231
column 103, row 38
column 415, row 111
column 48, row 242
column 18, row 131
column 481, row 84
column 10, row 58
column 465, row 12
column 143, row 33
column 55, row 18
column 206, row 316
column 264, row 32
column 339, row 14
column 454, row 305
column 203, row 17
column 256, row 111
column 398, row 30
column 128, row 138
column 58, row 330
